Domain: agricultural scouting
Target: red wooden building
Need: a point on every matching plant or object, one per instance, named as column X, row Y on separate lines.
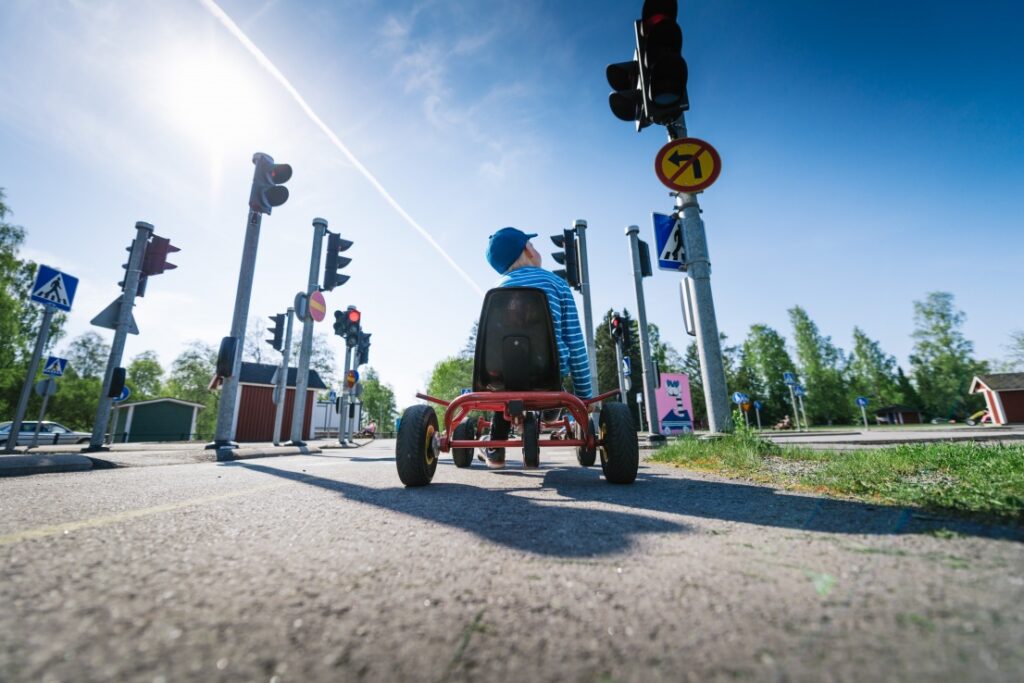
column 254, row 409
column 1004, row 396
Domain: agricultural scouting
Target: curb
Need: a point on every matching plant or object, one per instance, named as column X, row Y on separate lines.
column 23, row 465
column 230, row 454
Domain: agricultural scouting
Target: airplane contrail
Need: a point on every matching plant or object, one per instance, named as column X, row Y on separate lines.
column 265, row 62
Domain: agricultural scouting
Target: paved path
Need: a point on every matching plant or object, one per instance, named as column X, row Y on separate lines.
column 323, row 568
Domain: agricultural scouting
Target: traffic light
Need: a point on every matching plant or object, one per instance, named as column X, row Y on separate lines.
column 154, row 261
column 268, row 182
column 568, row 257
column 615, row 327
column 335, row 262
column 277, row 331
column 339, row 323
column 627, row 332
column 645, row 260
column 662, row 67
column 652, row 87
column 363, row 349
column 117, row 380
column 353, row 325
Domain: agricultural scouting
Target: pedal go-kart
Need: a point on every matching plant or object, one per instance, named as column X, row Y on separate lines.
column 516, row 375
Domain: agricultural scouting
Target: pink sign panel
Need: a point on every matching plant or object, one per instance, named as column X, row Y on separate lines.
column 675, row 407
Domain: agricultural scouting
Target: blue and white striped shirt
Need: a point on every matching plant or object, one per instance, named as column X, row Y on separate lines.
column 572, row 349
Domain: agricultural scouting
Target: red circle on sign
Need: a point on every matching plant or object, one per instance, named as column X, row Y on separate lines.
column 703, row 146
column 317, row 306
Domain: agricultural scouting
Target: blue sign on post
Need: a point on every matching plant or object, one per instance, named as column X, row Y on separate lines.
column 333, row 396
column 55, row 366
column 739, row 397
column 668, row 237
column 627, row 368
column 799, row 390
column 789, row 378
column 757, row 405
column 125, row 393
column 54, row 288
column 465, row 391
column 862, row 402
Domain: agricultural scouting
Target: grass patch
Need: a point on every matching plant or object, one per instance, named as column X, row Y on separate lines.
column 966, row 477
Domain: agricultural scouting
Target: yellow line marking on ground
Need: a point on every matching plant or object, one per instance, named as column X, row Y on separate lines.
column 105, row 520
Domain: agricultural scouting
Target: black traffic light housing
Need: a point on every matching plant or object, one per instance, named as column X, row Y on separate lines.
column 268, row 181
column 627, row 333
column 568, row 257
column 363, row 349
column 154, row 261
column 615, row 328
column 277, row 332
column 645, row 259
column 117, row 380
column 353, row 325
column 334, row 261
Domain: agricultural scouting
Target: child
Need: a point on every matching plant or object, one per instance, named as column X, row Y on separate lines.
column 510, row 252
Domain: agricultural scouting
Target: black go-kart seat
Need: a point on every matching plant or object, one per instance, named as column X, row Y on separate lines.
column 515, row 343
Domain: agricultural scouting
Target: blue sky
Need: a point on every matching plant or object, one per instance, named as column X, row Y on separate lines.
column 872, row 152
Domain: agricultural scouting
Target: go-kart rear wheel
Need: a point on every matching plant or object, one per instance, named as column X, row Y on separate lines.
column 585, row 456
column 417, row 447
column 463, row 457
column 531, row 440
column 620, row 452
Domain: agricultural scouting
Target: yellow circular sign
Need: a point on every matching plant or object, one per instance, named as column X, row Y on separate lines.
column 688, row 165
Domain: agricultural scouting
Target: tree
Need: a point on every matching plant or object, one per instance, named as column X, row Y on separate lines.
column 19, row 319
column 144, row 374
column 321, row 358
column 1015, row 351
column 469, row 350
column 75, row 404
column 821, row 370
column 88, row 355
column 189, row 380
column 255, row 349
column 766, row 359
column 942, row 359
column 872, row 372
column 378, row 400
column 447, row 380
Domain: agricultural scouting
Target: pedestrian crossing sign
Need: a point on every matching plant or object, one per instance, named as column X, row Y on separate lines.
column 55, row 366
column 668, row 236
column 54, row 288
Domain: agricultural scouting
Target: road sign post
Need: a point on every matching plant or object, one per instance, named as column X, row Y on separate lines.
column 282, row 380
column 800, row 393
column 306, row 345
column 45, row 388
column 757, row 411
column 650, row 401
column 123, row 323
column 33, row 366
column 863, row 402
column 343, row 415
column 580, row 227
column 790, row 379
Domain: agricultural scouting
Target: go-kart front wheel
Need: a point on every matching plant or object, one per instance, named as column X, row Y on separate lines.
column 463, row 457
column 418, row 446
column 620, row 452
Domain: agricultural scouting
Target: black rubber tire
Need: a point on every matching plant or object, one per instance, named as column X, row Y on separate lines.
column 463, row 457
column 620, row 452
column 417, row 447
column 531, row 440
column 586, row 457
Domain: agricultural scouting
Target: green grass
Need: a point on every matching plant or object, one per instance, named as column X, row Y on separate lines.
column 967, row 477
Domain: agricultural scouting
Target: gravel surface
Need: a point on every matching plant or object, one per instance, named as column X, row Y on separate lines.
column 323, row 568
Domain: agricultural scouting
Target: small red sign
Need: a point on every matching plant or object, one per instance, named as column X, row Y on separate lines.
column 317, row 306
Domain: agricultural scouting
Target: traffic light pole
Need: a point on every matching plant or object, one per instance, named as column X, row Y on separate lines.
column 282, row 378
column 306, row 347
column 650, row 405
column 225, row 431
column 143, row 231
column 698, row 265
column 26, row 390
column 343, row 412
column 588, row 314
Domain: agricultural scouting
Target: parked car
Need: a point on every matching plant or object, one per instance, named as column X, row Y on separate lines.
column 50, row 433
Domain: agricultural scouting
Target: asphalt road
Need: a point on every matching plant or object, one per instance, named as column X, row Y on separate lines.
column 323, row 568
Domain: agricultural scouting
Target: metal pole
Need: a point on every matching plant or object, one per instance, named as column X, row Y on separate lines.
column 42, row 412
column 803, row 409
column 305, row 349
column 622, row 372
column 143, row 231
column 26, row 389
column 757, row 411
column 864, row 414
column 746, row 417
column 698, row 265
column 796, row 413
column 580, row 226
column 343, row 413
column 641, row 318
column 225, row 432
column 282, row 380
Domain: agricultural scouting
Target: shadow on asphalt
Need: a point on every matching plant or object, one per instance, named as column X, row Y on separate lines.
column 556, row 529
column 513, row 521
